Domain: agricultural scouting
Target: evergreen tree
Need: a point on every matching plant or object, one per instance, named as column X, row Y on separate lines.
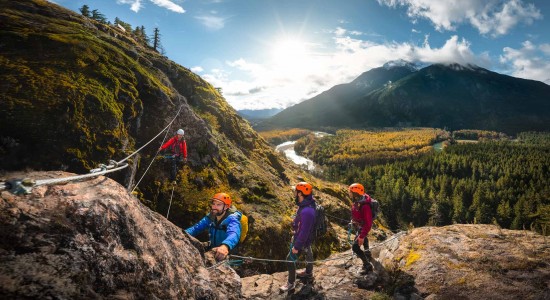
column 156, row 39
column 139, row 33
column 85, row 10
column 504, row 214
column 96, row 15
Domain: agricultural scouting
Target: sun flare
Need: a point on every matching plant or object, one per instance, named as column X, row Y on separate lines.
column 290, row 53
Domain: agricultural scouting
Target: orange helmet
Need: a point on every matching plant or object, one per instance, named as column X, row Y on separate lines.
column 223, row 197
column 305, row 188
column 357, row 188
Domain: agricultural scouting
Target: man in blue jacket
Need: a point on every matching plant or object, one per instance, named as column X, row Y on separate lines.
column 224, row 226
column 302, row 225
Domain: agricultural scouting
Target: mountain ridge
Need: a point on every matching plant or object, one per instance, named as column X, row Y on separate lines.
column 440, row 95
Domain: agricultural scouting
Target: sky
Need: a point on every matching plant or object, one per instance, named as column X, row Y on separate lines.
column 273, row 54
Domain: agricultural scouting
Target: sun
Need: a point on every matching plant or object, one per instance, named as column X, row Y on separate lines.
column 290, row 53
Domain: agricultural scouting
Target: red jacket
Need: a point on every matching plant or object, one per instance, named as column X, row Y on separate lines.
column 173, row 143
column 361, row 215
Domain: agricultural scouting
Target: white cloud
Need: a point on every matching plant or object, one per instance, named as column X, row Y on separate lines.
column 169, row 5
column 212, row 21
column 269, row 85
column 197, row 69
column 136, row 5
column 493, row 17
column 529, row 62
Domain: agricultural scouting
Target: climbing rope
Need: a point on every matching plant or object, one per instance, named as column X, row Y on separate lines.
column 333, row 217
column 167, row 126
column 217, row 265
column 316, row 261
column 168, row 212
column 153, row 160
column 24, row 186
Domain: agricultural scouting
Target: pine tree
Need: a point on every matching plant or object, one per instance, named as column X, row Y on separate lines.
column 96, row 15
column 156, row 39
column 504, row 214
column 85, row 10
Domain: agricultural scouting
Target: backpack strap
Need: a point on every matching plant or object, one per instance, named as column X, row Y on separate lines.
column 229, row 212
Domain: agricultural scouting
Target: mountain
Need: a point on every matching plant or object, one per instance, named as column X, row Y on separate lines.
column 259, row 114
column 329, row 108
column 452, row 96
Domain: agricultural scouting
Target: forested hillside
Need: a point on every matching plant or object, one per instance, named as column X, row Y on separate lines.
column 360, row 148
column 505, row 182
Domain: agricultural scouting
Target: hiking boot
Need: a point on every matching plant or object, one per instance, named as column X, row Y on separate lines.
column 304, row 274
column 287, row 287
column 366, row 269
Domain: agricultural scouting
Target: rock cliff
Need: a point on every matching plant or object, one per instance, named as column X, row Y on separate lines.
column 91, row 240
column 452, row 262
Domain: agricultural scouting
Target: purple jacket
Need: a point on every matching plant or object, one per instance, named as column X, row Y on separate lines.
column 303, row 223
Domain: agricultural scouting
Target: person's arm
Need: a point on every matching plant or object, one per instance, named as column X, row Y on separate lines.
column 199, row 227
column 233, row 233
column 184, row 149
column 307, row 221
column 231, row 240
column 167, row 144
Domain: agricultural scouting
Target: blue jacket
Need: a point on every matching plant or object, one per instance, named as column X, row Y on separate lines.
column 227, row 232
column 303, row 223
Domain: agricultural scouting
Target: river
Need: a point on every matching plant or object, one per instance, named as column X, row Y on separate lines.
column 288, row 150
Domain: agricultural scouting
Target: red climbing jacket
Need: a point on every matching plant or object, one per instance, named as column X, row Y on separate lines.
column 173, row 143
column 361, row 215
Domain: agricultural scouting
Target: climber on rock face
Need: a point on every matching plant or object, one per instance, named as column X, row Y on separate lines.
column 178, row 149
column 223, row 224
column 361, row 216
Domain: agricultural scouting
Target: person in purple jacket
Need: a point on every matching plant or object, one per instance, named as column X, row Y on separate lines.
column 302, row 225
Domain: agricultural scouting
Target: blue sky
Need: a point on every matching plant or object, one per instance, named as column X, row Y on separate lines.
column 273, row 54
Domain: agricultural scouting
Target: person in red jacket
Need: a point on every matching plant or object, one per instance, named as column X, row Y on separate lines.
column 361, row 218
column 178, row 148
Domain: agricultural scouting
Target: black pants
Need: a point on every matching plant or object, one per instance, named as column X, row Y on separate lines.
column 292, row 266
column 176, row 161
column 365, row 256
